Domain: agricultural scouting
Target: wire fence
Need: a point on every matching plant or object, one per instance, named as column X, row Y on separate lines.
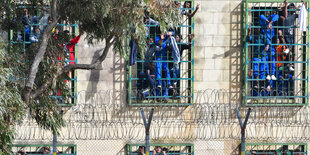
column 104, row 115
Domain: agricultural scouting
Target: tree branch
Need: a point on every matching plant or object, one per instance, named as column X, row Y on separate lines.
column 95, row 65
column 54, row 10
column 39, row 56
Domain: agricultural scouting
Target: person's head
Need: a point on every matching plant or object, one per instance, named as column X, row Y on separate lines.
column 26, row 11
column 36, row 29
column 291, row 6
column 21, row 152
column 177, row 38
column 47, row 150
column 141, row 149
column 58, row 29
column 187, row 4
column 151, row 40
column 162, row 36
column 158, row 149
column 267, row 13
column 66, row 36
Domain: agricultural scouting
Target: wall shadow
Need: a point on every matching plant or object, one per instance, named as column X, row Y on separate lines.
column 235, row 55
column 94, row 77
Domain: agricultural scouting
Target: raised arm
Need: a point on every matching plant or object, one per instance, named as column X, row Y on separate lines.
column 285, row 8
column 75, row 40
column 190, row 15
column 263, row 18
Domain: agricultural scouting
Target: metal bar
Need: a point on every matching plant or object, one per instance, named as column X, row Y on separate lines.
column 147, row 129
column 143, row 117
column 246, row 118
column 239, row 117
column 273, row 97
column 243, row 127
column 54, row 143
column 273, row 1
column 150, row 118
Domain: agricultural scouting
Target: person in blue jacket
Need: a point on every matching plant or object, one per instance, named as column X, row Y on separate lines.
column 266, row 22
column 258, row 51
column 161, row 56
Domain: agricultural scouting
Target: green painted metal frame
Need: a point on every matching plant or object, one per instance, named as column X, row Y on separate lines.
column 129, row 77
column 245, row 61
column 45, row 145
column 129, row 150
column 276, row 144
column 74, row 79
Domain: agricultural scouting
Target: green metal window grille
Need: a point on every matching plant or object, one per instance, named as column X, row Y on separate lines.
column 22, row 39
column 276, row 148
column 180, row 89
column 38, row 149
column 171, row 149
column 278, row 75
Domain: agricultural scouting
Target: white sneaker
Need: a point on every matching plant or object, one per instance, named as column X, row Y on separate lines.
column 273, row 77
column 268, row 77
column 175, row 84
column 292, row 69
column 286, row 51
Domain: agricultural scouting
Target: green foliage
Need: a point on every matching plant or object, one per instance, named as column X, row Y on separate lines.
column 101, row 20
column 12, row 107
column 47, row 115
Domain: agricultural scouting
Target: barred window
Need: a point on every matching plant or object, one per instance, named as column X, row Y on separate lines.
column 161, row 78
column 65, row 149
column 24, row 36
column 169, row 149
column 276, row 148
column 275, row 53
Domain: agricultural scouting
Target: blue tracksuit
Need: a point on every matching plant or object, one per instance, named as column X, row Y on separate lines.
column 162, row 55
column 269, row 33
column 271, row 57
column 259, row 55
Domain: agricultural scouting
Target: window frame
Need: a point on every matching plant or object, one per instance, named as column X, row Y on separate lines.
column 175, row 102
column 245, row 63
column 36, row 146
column 129, row 147
column 269, row 145
column 73, row 81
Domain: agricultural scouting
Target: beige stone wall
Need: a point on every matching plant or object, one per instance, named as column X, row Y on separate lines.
column 218, row 46
column 210, row 125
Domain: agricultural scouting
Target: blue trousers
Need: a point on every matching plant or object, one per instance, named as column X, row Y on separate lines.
column 149, row 81
column 262, row 69
column 163, row 91
column 159, row 67
column 176, row 72
column 272, row 65
column 259, row 68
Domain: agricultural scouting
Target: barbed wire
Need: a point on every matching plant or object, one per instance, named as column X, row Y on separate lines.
column 105, row 116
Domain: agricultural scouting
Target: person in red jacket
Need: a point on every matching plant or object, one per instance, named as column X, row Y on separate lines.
column 70, row 46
